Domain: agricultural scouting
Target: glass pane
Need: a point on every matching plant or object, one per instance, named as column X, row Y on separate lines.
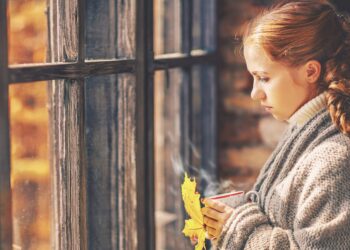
column 204, row 27
column 169, row 163
column 167, row 26
column 110, row 128
column 204, row 128
column 28, row 31
column 110, row 29
column 185, row 140
column 30, row 168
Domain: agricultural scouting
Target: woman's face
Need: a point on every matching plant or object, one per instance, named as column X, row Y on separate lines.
column 281, row 90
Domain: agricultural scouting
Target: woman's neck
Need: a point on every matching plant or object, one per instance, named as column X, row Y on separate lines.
column 308, row 110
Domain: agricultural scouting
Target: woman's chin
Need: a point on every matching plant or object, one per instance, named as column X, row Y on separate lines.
column 279, row 117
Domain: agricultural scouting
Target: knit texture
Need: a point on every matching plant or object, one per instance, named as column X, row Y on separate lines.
column 308, row 110
column 304, row 194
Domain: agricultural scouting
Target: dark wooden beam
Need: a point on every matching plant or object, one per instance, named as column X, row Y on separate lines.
column 145, row 126
column 5, row 167
column 40, row 72
column 179, row 60
column 51, row 71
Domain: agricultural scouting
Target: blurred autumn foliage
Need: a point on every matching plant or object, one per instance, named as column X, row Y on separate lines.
column 28, row 31
column 30, row 170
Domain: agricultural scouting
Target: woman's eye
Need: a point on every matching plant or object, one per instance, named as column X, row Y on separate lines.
column 263, row 79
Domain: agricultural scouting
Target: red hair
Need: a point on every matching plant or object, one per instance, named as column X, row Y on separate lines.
column 296, row 32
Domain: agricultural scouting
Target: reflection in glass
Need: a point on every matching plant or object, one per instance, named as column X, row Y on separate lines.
column 185, row 132
column 100, row 111
column 204, row 27
column 111, row 178
column 28, row 32
column 167, row 26
column 169, row 164
column 203, row 146
column 30, row 171
column 110, row 29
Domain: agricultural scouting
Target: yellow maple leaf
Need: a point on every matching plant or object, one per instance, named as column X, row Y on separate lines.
column 195, row 225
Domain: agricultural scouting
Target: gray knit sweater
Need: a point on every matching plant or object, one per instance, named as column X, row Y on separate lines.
column 304, row 194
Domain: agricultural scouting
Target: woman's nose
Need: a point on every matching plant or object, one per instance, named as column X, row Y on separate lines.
column 257, row 93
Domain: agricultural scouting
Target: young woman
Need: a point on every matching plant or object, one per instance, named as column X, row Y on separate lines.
column 299, row 56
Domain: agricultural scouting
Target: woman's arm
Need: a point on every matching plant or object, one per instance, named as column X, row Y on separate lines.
column 321, row 211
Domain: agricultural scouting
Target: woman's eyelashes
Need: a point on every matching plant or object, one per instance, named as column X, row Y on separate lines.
column 263, row 79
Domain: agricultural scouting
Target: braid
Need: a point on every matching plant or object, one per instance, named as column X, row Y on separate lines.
column 337, row 79
column 338, row 100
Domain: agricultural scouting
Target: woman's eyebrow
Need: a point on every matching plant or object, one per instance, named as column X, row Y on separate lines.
column 259, row 72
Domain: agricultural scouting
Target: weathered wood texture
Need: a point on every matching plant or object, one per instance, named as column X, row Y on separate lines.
column 101, row 111
column 127, row 164
column 29, row 73
column 126, row 45
column 101, row 29
column 110, row 134
column 102, row 161
column 5, row 172
column 101, row 130
column 63, row 31
column 127, row 123
column 68, row 165
column 67, row 124
column 38, row 72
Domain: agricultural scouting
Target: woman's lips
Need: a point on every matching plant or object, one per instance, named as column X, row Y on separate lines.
column 267, row 108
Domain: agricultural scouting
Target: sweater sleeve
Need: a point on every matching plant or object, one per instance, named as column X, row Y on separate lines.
column 322, row 214
column 249, row 228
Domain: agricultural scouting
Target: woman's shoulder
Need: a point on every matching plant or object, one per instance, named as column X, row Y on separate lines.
column 337, row 144
column 332, row 154
column 329, row 160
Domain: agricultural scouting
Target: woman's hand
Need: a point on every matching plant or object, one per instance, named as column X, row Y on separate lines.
column 194, row 240
column 215, row 214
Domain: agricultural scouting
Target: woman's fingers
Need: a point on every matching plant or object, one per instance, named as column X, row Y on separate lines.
column 211, row 213
column 215, row 216
column 217, row 205
column 212, row 232
column 210, row 222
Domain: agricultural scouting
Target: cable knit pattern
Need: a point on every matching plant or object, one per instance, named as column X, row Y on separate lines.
column 304, row 190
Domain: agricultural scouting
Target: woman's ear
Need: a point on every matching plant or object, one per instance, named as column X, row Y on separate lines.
column 313, row 71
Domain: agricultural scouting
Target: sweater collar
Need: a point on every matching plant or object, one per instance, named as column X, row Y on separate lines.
column 308, row 110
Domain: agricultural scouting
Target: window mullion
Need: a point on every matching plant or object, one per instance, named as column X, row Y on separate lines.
column 186, row 17
column 67, row 130
column 81, row 30
column 208, row 78
column 5, row 168
column 145, row 126
column 187, row 95
column 28, row 73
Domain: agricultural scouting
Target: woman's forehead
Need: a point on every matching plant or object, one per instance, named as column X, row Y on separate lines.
column 257, row 59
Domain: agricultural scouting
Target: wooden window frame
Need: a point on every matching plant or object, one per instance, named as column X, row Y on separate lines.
column 143, row 67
